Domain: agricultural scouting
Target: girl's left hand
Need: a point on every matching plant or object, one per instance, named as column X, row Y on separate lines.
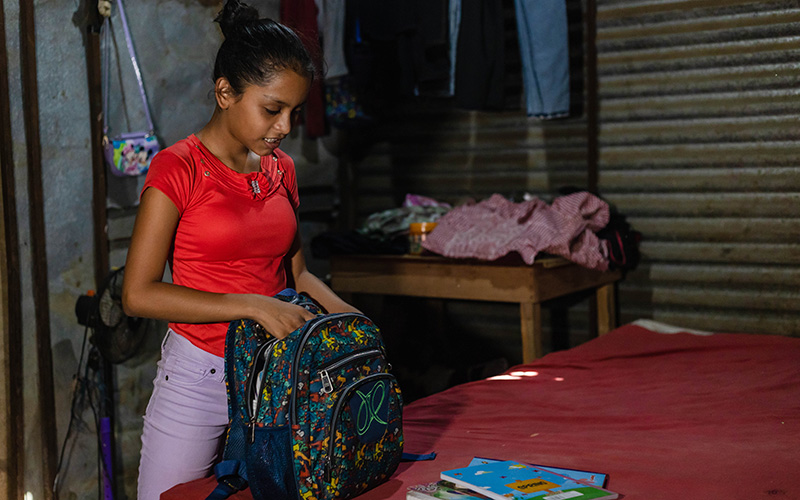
column 280, row 318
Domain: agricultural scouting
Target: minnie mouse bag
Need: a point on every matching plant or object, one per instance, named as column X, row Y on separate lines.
column 130, row 154
column 127, row 154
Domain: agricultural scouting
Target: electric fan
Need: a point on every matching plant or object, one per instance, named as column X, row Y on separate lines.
column 116, row 335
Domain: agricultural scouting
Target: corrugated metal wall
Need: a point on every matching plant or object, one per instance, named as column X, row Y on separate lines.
column 699, row 147
column 699, row 144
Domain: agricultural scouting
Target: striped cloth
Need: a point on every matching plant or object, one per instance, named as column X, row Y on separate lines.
column 496, row 226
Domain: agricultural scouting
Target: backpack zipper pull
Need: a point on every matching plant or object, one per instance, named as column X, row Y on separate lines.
column 328, row 469
column 327, row 385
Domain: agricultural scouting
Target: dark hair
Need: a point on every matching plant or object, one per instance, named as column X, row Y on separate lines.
column 255, row 50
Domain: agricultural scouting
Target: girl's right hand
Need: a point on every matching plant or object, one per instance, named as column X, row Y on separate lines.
column 281, row 318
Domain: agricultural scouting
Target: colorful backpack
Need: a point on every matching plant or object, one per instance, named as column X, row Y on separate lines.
column 313, row 416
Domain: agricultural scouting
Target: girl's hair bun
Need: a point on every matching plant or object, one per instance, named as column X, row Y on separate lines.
column 256, row 49
column 234, row 16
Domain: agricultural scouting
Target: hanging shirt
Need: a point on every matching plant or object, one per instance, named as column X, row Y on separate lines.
column 480, row 71
column 301, row 16
column 544, row 52
column 331, row 23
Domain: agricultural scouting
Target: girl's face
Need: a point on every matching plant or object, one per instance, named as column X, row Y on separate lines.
column 263, row 115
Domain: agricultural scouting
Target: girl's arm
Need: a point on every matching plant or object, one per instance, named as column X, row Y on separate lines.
column 145, row 295
column 306, row 281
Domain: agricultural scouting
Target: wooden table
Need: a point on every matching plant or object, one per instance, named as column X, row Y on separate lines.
column 439, row 277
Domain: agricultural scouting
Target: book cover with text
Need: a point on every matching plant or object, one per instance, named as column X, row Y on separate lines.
column 581, row 476
column 511, row 480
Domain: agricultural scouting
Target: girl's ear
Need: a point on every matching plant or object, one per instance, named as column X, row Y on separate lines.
column 223, row 92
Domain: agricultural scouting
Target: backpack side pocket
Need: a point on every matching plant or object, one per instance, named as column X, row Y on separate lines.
column 269, row 458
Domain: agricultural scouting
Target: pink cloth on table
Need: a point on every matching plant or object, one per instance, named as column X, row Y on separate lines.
column 496, row 226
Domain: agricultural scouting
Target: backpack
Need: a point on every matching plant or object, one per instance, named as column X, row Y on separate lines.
column 313, row 416
column 622, row 242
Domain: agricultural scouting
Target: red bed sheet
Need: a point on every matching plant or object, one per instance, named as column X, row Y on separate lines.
column 666, row 416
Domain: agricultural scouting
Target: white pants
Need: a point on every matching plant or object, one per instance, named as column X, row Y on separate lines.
column 185, row 419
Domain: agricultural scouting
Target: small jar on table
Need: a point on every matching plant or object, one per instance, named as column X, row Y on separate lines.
column 417, row 233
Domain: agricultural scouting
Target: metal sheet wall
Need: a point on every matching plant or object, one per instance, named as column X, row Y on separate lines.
column 699, row 147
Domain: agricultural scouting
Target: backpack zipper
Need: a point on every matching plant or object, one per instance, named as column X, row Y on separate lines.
column 301, row 300
column 327, row 384
column 307, row 331
column 328, row 465
column 264, row 351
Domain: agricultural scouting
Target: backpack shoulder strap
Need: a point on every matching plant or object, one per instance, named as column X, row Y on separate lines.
column 231, row 472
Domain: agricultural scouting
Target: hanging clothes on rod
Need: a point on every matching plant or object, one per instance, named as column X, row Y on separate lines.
column 454, row 24
column 301, row 15
column 414, row 35
column 544, row 50
column 331, row 23
column 480, row 56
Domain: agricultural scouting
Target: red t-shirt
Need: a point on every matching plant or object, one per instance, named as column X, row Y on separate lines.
column 234, row 229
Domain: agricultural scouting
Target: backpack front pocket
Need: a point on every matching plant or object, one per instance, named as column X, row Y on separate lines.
column 365, row 436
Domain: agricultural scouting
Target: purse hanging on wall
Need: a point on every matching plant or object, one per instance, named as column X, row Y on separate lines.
column 127, row 154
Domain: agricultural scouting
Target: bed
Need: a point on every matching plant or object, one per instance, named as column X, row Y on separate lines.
column 666, row 413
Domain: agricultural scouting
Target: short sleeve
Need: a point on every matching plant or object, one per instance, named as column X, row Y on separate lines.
column 172, row 175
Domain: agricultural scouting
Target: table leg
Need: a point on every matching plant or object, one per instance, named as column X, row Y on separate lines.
column 531, row 325
column 606, row 309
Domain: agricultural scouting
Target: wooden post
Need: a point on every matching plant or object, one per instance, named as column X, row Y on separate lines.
column 91, row 24
column 531, row 325
column 606, row 309
column 11, row 292
column 30, row 102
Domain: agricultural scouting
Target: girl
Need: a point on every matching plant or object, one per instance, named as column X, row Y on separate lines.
column 220, row 207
